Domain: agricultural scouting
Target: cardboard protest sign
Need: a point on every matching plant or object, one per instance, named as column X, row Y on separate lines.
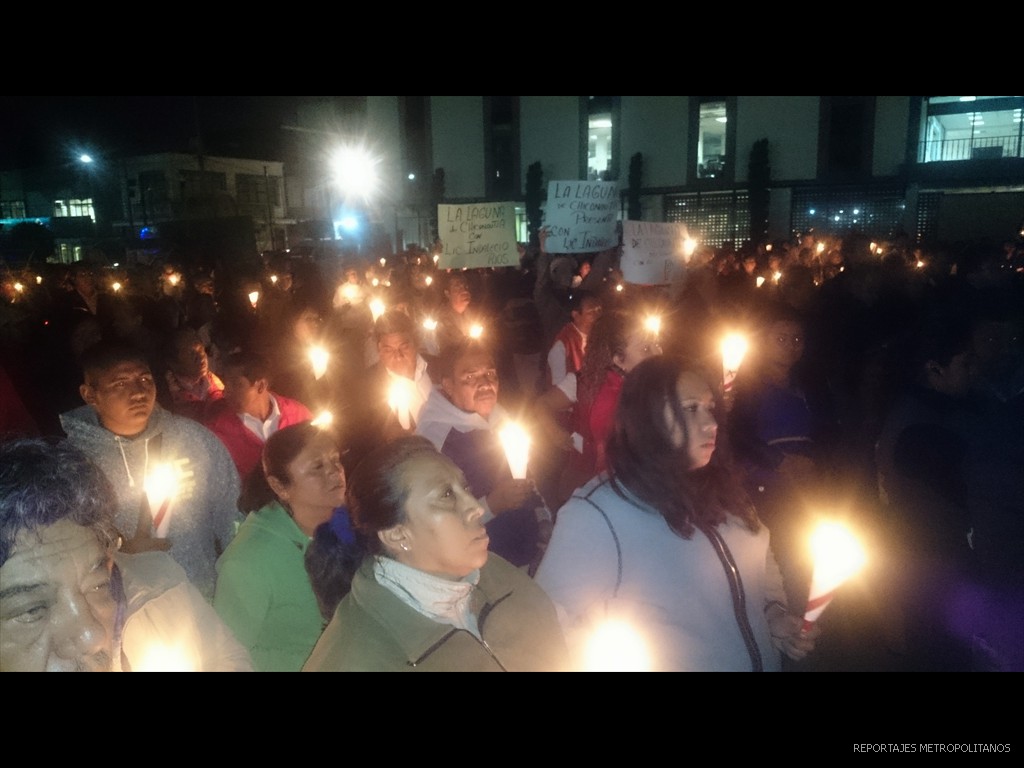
column 478, row 235
column 581, row 216
column 653, row 252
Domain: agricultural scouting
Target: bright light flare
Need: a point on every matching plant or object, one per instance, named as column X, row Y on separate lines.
column 516, row 442
column 616, row 647
column 318, row 356
column 476, row 331
column 652, row 323
column 323, row 419
column 399, row 401
column 760, row 280
column 430, row 323
column 254, row 298
column 164, row 658
column 838, row 555
column 355, row 171
column 689, row 246
column 734, row 348
column 273, row 279
column 116, row 286
column 377, row 308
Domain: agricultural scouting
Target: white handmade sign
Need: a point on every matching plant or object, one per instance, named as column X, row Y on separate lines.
column 478, row 235
column 653, row 252
column 581, row 215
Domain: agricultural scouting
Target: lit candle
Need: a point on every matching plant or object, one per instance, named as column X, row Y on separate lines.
column 776, row 276
column 689, row 246
column 273, row 279
column 254, row 297
column 318, row 357
column 760, row 280
column 323, row 419
column 618, row 287
column 837, row 557
column 160, row 486
column 399, row 399
column 428, row 280
column 430, row 324
column 653, row 324
column 476, row 331
column 116, row 286
column 39, row 279
column 616, row 647
column 350, row 291
column 734, row 347
column 376, row 308
column 19, row 287
column 164, row 658
column 516, row 443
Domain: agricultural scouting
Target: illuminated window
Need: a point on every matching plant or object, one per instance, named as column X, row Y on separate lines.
column 970, row 128
column 600, row 157
column 12, row 209
column 74, row 207
column 712, row 139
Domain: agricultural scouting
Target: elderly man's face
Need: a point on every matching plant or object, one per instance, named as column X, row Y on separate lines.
column 474, row 385
column 56, row 608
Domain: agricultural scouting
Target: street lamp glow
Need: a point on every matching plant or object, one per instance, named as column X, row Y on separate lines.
column 355, row 171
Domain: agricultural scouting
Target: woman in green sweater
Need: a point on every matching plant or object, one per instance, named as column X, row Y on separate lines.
column 263, row 593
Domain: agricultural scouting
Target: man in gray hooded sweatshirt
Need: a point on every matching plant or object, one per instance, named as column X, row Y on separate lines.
column 176, row 485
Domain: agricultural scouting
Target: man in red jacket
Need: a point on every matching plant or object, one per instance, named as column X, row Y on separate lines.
column 250, row 412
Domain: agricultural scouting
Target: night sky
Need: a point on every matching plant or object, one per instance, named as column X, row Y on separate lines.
column 51, row 130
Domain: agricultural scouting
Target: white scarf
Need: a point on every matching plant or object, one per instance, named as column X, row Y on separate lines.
column 441, row 600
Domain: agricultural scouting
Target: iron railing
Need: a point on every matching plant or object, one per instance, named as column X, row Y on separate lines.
column 977, row 148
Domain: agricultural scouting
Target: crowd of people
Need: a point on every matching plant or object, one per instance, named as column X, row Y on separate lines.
column 305, row 468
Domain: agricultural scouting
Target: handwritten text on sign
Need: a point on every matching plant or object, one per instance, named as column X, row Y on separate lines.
column 652, row 251
column 581, row 215
column 478, row 235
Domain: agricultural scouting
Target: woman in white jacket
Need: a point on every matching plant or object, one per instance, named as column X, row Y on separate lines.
column 667, row 542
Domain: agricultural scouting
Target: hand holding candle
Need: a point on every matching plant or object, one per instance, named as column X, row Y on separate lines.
column 837, row 557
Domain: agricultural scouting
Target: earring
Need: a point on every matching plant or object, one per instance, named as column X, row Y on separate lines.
column 405, row 547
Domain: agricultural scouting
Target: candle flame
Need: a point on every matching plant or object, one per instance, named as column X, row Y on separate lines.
column 734, row 347
column 273, row 279
column 160, row 485
column 323, row 419
column 838, row 555
column 429, row 323
column 516, row 443
column 476, row 331
column 254, row 297
column 760, row 280
column 318, row 356
column 400, row 399
column 616, row 647
column 164, row 658
column 377, row 308
column 116, row 286
column 653, row 324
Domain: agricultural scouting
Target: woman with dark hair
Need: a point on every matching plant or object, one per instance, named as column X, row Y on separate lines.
column 616, row 344
column 263, row 592
column 668, row 541
column 428, row 596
